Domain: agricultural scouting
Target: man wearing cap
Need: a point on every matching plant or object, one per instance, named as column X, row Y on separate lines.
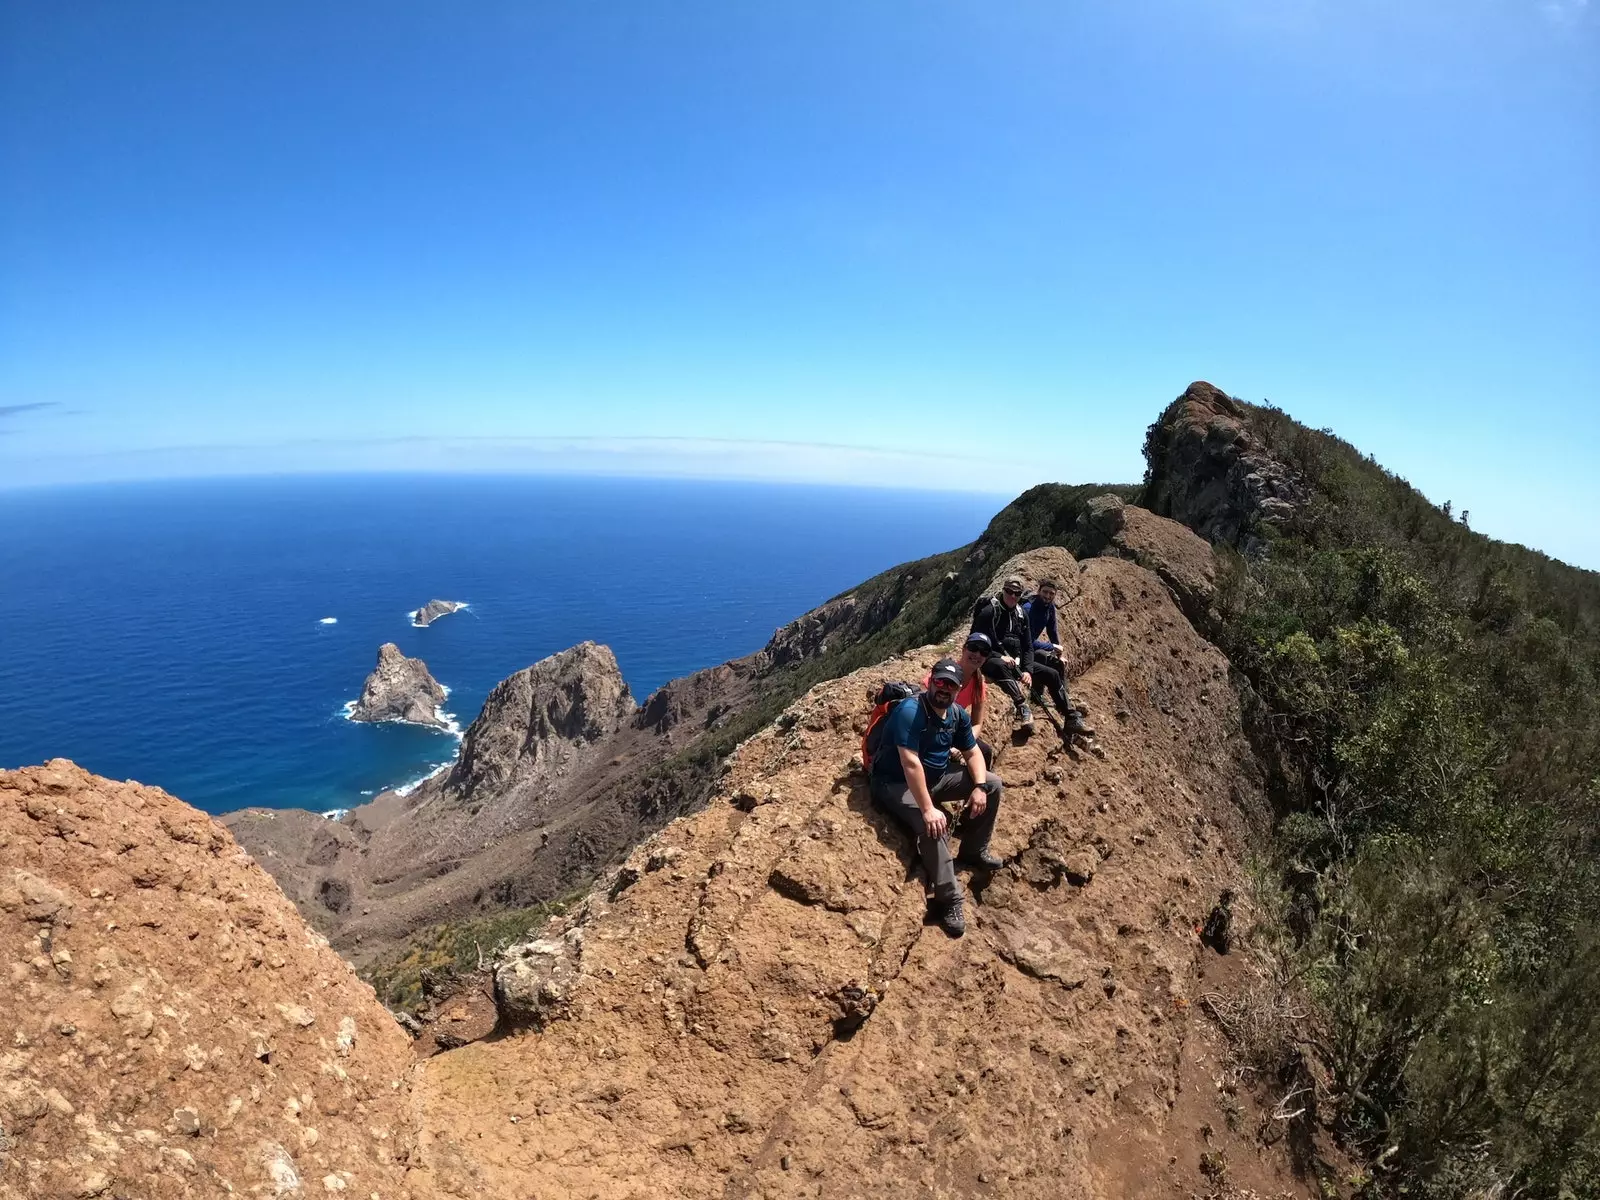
column 1000, row 618
column 914, row 781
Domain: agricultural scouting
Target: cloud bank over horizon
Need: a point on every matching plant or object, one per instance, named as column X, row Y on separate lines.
column 647, row 457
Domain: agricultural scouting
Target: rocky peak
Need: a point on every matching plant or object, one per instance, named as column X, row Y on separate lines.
column 540, row 720
column 1208, row 470
column 400, row 689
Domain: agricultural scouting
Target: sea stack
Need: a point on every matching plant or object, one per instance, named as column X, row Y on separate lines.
column 434, row 609
column 400, row 689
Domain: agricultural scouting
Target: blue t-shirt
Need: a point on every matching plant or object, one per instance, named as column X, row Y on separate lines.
column 1041, row 620
column 912, row 724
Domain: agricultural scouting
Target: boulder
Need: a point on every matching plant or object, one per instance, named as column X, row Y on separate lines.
column 534, row 980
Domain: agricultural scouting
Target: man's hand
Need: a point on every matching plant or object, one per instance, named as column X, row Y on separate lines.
column 1027, row 679
column 935, row 822
column 977, row 802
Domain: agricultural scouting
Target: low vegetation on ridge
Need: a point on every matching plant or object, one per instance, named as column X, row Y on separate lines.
column 1427, row 703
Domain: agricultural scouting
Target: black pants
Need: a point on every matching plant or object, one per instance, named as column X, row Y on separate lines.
column 1007, row 675
column 894, row 797
column 1050, row 675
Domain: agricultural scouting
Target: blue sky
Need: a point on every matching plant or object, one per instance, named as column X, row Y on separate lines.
column 971, row 245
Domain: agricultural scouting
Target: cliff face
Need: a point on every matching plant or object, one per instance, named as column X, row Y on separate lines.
column 172, row 1027
column 1209, row 471
column 400, row 689
column 540, row 721
column 553, row 781
column 753, row 1006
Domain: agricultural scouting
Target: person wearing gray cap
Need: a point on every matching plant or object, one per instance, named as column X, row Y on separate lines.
column 1002, row 620
column 914, row 781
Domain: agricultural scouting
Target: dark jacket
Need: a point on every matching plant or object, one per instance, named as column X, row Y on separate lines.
column 1006, row 628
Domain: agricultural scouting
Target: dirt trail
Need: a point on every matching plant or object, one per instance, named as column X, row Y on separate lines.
column 1056, row 1050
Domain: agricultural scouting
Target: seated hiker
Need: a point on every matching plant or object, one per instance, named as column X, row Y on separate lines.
column 914, row 781
column 973, row 695
column 1049, row 670
column 1000, row 619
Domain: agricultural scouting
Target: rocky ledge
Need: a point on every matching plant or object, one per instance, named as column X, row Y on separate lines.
column 400, row 689
column 434, row 609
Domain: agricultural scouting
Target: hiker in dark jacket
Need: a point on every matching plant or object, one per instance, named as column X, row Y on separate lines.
column 916, row 782
column 1049, row 670
column 1001, row 619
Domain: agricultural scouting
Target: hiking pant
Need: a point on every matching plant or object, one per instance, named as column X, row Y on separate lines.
column 894, row 797
column 1007, row 675
column 1050, row 675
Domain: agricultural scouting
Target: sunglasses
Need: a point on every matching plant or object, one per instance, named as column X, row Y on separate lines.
column 1009, row 592
column 980, row 651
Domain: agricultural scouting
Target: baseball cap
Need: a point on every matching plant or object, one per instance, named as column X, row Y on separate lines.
column 947, row 669
column 978, row 641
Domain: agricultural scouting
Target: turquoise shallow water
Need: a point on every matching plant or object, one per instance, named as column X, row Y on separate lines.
column 172, row 633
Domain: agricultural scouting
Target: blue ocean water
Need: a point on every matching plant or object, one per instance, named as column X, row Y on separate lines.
column 171, row 632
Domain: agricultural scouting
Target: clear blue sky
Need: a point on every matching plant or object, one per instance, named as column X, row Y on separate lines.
column 975, row 245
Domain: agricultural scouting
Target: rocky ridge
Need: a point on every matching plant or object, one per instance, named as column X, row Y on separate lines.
column 752, row 1006
column 400, row 689
column 173, row 1028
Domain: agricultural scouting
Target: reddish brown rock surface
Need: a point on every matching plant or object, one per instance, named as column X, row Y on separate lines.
column 754, row 1007
column 172, row 1026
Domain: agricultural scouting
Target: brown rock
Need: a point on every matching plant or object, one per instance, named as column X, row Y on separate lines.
column 162, row 1027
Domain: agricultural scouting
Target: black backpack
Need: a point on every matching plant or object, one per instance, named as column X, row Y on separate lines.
column 888, row 696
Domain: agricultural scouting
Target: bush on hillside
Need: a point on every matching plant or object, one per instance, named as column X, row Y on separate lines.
column 1428, row 704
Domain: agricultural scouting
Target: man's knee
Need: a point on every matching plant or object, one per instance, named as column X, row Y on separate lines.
column 992, row 785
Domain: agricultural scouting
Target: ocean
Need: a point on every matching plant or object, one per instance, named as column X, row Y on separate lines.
column 206, row 636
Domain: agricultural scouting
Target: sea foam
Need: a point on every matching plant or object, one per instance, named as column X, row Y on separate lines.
column 328, row 621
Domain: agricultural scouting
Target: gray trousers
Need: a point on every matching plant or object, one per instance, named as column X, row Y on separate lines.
column 894, row 797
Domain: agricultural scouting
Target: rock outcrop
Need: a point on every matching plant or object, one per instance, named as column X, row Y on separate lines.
column 1210, row 471
column 752, row 1005
column 172, row 1027
column 1185, row 562
column 807, row 636
column 434, row 609
column 537, row 723
column 554, row 781
column 400, row 689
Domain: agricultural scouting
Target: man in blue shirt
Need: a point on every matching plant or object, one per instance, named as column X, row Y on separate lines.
column 915, row 782
column 1049, row 671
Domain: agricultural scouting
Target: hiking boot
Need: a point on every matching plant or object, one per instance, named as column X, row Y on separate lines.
column 1025, row 716
column 951, row 915
column 1073, row 725
column 984, row 857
